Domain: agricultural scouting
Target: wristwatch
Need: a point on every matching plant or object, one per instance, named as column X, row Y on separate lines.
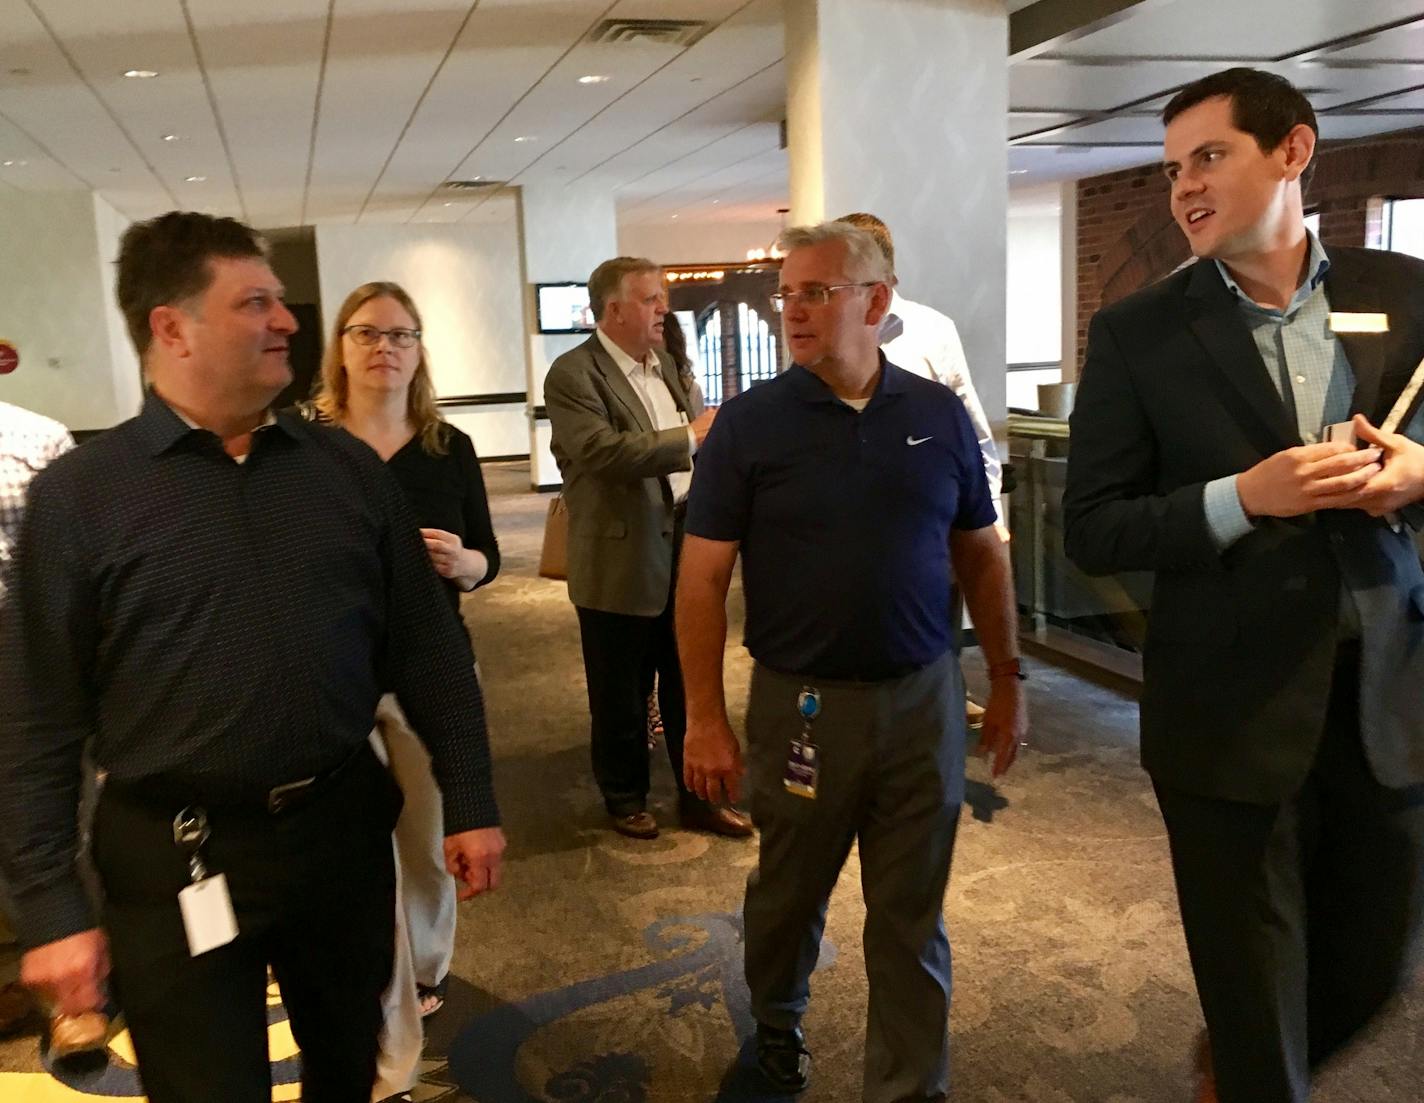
column 1009, row 668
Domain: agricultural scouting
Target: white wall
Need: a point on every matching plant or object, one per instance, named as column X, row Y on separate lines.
column 56, row 306
column 681, row 242
column 466, row 281
column 568, row 232
column 1035, row 305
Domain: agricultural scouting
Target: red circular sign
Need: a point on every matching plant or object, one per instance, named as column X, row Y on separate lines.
column 9, row 358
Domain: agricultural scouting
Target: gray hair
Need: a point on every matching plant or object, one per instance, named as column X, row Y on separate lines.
column 864, row 258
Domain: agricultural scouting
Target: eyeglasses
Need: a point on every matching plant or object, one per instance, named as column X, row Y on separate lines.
column 816, row 296
column 370, row 335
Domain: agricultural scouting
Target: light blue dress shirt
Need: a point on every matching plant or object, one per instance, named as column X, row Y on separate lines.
column 1306, row 363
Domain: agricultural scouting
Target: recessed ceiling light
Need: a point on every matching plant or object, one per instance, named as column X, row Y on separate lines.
column 174, row 138
column 1017, row 172
column 674, row 218
column 526, row 138
column 141, row 74
column 196, row 179
column 14, row 164
column 593, row 78
column 449, row 204
column 715, row 202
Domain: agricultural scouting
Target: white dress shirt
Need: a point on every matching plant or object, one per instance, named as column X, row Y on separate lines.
column 920, row 339
column 646, row 379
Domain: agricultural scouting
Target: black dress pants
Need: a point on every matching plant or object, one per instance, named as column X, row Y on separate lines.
column 313, row 888
column 1302, row 918
column 618, row 652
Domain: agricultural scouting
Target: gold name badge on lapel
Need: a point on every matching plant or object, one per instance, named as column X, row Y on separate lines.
column 1342, row 321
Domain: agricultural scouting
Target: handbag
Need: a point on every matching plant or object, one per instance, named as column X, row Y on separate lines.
column 554, row 556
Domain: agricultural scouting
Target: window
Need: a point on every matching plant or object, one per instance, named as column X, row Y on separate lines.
column 709, row 357
column 1404, row 226
column 758, row 347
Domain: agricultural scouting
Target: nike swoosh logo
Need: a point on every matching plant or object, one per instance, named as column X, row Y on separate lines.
column 912, row 441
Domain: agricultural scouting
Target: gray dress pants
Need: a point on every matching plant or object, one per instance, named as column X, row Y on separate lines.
column 892, row 779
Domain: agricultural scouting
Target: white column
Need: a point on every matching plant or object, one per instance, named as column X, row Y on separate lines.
column 920, row 143
column 567, row 232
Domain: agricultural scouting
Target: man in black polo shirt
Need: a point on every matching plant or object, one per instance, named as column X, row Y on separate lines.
column 214, row 598
column 849, row 487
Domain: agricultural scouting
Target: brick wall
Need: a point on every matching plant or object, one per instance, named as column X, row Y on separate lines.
column 1127, row 239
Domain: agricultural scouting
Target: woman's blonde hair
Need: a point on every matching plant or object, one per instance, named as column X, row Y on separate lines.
column 333, row 388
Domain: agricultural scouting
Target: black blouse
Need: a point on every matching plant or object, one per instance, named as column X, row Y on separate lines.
column 448, row 492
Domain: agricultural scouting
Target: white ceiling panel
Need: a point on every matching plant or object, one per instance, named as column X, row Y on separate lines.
column 1258, row 30
column 506, row 49
column 263, row 65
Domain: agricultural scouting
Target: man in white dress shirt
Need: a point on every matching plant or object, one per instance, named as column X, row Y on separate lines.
column 624, row 444
column 920, row 339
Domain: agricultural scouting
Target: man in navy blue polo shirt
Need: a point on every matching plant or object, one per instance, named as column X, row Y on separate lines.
column 849, row 487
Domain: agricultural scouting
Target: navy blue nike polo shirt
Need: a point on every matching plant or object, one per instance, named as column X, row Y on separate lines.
column 843, row 519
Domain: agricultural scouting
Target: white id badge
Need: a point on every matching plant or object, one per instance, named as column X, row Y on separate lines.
column 208, row 918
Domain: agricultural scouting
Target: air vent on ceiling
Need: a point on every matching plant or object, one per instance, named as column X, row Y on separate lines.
column 472, row 185
column 643, row 32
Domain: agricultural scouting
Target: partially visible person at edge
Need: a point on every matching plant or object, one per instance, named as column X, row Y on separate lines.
column 854, row 492
column 28, row 442
column 1284, row 663
column 376, row 384
column 674, row 343
column 214, row 597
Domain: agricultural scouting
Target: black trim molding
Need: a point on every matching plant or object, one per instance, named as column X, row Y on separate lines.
column 504, row 398
column 541, row 413
column 505, row 459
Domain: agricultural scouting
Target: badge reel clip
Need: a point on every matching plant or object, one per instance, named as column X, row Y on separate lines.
column 208, row 918
column 802, row 764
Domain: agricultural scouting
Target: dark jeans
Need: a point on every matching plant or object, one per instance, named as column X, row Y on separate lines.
column 314, row 892
column 1301, row 917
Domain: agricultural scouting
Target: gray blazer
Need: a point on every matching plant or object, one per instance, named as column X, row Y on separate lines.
column 614, row 466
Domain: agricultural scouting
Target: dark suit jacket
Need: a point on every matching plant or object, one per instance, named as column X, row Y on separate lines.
column 1241, row 644
column 614, row 464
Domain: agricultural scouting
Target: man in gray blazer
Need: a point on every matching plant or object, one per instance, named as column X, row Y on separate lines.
column 624, row 443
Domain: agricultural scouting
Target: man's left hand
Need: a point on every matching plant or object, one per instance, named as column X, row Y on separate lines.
column 1400, row 480
column 473, row 859
column 1005, row 723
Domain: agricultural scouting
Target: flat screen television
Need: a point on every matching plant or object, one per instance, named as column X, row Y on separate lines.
column 563, row 308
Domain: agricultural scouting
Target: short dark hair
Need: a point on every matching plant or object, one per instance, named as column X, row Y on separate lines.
column 607, row 280
column 877, row 229
column 165, row 260
column 1263, row 105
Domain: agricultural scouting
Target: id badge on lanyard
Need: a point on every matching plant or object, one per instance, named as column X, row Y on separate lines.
column 803, row 766
column 206, row 904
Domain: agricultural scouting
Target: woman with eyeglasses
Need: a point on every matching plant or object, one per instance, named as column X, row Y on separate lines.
column 376, row 384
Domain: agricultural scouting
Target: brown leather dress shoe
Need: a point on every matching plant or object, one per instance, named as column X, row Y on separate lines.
column 716, row 818
column 87, row 1032
column 636, row 825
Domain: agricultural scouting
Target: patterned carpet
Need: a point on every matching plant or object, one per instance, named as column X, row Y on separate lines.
column 609, row 971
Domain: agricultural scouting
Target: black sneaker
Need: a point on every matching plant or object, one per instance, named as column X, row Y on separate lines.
column 783, row 1058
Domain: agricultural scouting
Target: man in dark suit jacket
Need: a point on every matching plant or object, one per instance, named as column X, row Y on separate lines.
column 1284, row 663
column 624, row 442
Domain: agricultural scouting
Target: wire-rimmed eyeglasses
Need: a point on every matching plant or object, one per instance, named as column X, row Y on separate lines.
column 815, row 296
column 370, row 335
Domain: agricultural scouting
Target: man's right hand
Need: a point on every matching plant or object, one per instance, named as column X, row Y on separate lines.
column 69, row 972
column 1302, row 480
column 712, row 762
column 702, row 423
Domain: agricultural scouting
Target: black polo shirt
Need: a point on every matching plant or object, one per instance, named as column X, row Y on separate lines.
column 843, row 519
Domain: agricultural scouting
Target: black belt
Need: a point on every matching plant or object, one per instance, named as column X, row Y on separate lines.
column 167, row 791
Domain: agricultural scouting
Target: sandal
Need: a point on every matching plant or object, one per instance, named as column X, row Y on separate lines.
column 432, row 996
